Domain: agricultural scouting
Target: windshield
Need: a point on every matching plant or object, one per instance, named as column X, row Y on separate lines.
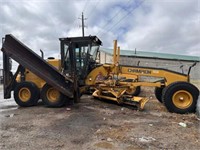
column 94, row 52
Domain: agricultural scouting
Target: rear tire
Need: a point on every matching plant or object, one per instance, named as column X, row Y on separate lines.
column 51, row 97
column 26, row 94
column 180, row 97
column 158, row 93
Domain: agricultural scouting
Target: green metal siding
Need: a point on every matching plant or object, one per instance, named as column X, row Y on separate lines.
column 132, row 53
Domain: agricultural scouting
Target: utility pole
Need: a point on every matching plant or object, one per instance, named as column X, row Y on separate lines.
column 83, row 25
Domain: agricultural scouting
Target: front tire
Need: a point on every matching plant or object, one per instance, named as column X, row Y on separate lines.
column 180, row 97
column 134, row 92
column 51, row 97
column 26, row 94
column 158, row 93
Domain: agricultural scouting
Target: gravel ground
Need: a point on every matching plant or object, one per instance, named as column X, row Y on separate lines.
column 94, row 124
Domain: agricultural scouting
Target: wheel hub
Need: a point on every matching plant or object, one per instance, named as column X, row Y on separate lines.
column 182, row 99
column 24, row 94
column 53, row 95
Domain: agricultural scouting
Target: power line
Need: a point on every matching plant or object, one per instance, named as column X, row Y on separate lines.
column 126, row 15
column 114, row 16
column 123, row 17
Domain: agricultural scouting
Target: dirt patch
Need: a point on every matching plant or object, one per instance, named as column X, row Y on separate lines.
column 94, row 124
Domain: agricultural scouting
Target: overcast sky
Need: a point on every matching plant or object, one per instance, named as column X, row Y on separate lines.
column 167, row 26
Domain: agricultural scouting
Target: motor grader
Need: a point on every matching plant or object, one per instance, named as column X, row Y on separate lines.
column 58, row 81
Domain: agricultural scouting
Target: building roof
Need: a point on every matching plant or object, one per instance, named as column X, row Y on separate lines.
column 133, row 53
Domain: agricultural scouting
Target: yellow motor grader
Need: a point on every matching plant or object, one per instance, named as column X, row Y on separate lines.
column 58, row 81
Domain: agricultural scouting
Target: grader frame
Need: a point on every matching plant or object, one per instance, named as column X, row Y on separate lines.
column 79, row 71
